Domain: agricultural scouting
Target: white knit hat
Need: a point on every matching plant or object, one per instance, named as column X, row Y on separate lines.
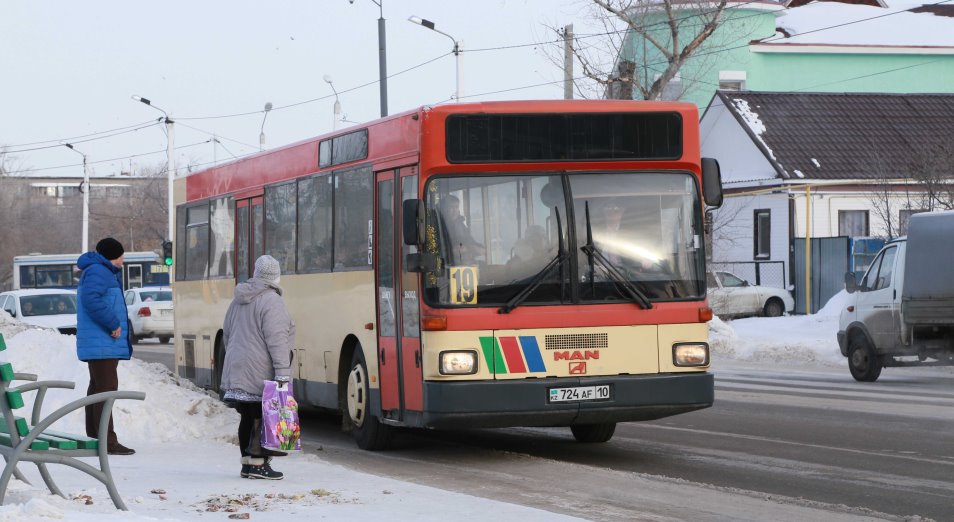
column 268, row 269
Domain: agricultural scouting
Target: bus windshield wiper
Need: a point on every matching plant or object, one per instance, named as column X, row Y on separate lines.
column 558, row 261
column 594, row 254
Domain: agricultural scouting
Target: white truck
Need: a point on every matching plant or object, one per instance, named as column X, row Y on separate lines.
column 902, row 311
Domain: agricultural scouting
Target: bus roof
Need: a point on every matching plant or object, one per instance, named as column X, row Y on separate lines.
column 247, row 176
column 43, row 259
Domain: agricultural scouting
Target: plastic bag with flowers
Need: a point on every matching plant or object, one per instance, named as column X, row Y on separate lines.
column 281, row 430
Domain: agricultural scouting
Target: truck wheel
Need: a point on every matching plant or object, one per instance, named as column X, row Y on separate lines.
column 164, row 339
column 368, row 431
column 773, row 308
column 591, row 433
column 862, row 361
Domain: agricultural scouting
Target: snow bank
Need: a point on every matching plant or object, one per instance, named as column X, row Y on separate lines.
column 796, row 338
column 172, row 411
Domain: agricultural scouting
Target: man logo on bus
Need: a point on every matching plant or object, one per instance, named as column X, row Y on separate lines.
column 578, row 368
column 577, row 355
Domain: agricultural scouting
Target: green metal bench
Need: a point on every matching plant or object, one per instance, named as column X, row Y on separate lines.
column 36, row 443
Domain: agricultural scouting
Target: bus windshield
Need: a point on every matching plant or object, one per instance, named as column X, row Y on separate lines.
column 493, row 235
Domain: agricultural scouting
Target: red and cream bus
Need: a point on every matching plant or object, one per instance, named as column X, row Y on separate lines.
column 494, row 264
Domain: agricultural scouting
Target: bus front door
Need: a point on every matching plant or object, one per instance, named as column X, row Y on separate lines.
column 133, row 276
column 398, row 354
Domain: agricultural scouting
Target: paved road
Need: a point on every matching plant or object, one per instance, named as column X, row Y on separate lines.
column 150, row 350
column 793, row 444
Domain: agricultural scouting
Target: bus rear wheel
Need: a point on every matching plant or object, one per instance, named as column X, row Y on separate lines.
column 368, row 431
column 593, row 433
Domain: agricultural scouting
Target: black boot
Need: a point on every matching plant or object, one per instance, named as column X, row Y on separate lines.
column 259, row 468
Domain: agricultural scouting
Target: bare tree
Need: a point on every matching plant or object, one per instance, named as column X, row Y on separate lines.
column 932, row 167
column 646, row 43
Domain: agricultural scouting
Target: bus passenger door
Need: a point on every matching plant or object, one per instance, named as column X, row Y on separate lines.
column 249, row 238
column 410, row 326
column 399, row 345
column 386, row 286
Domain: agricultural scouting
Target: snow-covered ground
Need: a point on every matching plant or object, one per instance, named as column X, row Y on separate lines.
column 186, row 466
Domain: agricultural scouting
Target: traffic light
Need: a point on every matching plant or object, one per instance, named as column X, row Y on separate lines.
column 167, row 252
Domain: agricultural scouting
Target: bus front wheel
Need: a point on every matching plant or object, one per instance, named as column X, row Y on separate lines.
column 368, row 431
column 592, row 433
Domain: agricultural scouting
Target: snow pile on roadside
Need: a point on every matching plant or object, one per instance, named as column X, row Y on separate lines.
column 172, row 411
column 796, row 338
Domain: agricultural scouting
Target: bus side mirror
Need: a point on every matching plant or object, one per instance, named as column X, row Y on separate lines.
column 412, row 220
column 851, row 286
column 711, row 182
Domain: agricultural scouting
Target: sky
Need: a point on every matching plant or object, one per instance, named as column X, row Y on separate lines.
column 70, row 69
column 203, row 476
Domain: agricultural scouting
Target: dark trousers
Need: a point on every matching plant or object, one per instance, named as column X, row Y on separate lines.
column 102, row 378
column 249, row 412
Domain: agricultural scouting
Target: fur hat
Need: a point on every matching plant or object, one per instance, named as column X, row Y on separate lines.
column 268, row 269
column 110, row 248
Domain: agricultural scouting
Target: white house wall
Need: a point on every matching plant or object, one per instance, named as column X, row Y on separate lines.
column 724, row 139
column 734, row 227
column 825, row 207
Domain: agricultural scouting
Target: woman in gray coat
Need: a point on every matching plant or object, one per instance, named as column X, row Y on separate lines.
column 258, row 336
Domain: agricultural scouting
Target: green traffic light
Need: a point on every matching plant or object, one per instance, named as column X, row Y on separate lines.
column 168, row 261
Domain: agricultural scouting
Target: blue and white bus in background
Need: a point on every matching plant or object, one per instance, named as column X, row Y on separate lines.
column 59, row 271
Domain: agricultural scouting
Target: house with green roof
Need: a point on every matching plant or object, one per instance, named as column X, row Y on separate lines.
column 891, row 46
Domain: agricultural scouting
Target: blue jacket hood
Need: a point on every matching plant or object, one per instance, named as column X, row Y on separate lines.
column 93, row 258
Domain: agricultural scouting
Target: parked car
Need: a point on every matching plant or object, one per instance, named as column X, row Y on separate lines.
column 47, row 308
column 732, row 296
column 150, row 313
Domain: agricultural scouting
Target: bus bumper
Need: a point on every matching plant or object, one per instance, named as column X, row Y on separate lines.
column 497, row 404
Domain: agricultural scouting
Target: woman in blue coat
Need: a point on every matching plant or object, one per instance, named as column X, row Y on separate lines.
column 102, row 329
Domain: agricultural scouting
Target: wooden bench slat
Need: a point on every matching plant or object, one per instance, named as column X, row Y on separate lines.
column 82, row 442
column 15, row 399
column 40, row 445
column 6, row 372
column 22, row 428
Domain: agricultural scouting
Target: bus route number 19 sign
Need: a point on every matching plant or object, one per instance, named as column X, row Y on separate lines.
column 463, row 284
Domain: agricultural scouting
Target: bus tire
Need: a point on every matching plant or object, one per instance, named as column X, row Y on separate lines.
column 863, row 363
column 593, row 433
column 164, row 339
column 368, row 431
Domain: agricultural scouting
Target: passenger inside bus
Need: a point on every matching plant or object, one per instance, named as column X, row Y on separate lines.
column 530, row 253
column 465, row 249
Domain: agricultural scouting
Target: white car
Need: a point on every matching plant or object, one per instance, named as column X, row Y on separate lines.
column 150, row 313
column 55, row 309
column 732, row 296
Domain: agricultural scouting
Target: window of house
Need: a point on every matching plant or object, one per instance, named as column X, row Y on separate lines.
column 853, row 223
column 903, row 216
column 762, row 235
column 280, row 223
column 732, row 80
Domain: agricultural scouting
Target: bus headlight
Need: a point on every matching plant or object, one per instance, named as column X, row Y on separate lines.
column 458, row 362
column 690, row 354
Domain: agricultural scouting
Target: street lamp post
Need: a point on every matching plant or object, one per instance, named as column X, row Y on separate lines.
column 170, row 159
column 382, row 59
column 261, row 135
column 85, row 246
column 430, row 25
column 329, row 81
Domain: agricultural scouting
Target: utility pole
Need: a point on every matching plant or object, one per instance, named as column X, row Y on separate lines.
column 568, row 62
column 85, row 190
